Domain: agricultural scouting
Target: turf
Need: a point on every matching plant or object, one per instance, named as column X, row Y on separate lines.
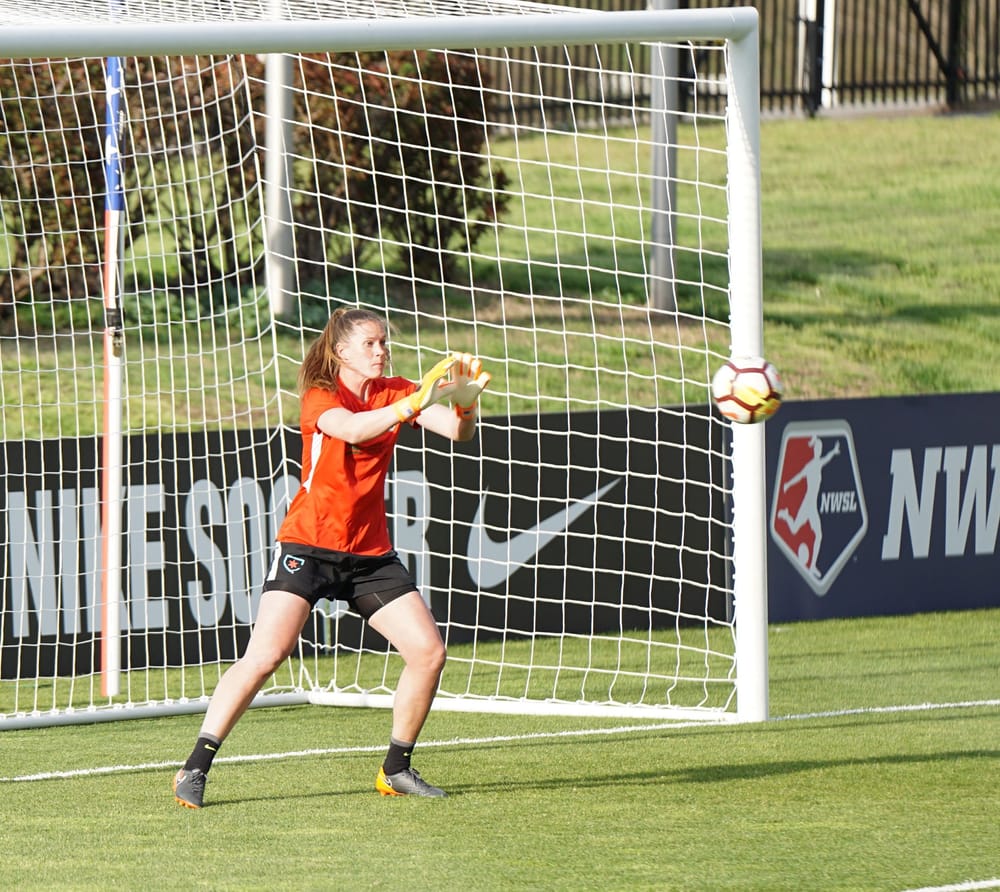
column 880, row 770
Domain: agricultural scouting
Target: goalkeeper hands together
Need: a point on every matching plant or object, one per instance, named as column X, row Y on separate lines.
column 432, row 388
column 466, row 382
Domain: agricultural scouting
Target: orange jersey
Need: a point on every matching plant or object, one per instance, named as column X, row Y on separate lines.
column 341, row 505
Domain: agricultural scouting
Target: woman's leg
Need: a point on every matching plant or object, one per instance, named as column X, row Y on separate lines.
column 408, row 625
column 280, row 618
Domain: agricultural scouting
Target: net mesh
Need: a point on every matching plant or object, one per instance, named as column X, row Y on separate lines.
column 503, row 202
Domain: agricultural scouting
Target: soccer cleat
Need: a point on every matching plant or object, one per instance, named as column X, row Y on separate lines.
column 189, row 787
column 407, row 782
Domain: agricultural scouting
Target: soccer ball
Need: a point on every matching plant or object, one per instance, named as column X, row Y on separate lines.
column 747, row 389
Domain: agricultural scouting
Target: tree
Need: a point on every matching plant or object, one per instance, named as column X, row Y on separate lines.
column 395, row 177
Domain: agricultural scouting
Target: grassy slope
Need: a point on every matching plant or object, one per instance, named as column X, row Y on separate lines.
column 881, row 277
column 882, row 274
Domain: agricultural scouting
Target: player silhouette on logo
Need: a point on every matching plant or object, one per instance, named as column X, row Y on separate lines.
column 808, row 511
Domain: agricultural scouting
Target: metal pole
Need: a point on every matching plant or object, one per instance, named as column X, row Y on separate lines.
column 111, row 451
column 746, row 330
column 955, row 70
column 279, row 245
column 663, row 114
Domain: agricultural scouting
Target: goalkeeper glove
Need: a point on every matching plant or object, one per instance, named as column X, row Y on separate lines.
column 431, row 389
column 470, row 380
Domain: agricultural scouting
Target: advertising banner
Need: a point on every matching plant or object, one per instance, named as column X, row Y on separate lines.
column 573, row 523
column 883, row 506
column 199, row 511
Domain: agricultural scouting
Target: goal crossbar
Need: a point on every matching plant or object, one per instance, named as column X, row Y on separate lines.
column 551, row 28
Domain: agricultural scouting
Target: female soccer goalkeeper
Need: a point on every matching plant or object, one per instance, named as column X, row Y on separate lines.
column 334, row 541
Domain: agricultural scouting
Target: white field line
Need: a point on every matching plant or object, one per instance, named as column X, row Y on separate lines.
column 961, row 887
column 871, row 710
column 486, row 741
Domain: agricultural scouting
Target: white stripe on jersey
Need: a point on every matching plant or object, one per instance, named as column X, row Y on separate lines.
column 317, row 448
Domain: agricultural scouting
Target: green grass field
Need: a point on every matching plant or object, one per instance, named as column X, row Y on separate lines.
column 881, row 274
column 879, row 771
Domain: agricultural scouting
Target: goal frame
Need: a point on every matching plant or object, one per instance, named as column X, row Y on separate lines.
column 737, row 26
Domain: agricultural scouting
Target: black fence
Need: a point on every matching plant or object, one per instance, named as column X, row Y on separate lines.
column 816, row 56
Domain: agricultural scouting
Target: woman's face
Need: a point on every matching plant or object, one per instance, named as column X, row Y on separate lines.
column 364, row 352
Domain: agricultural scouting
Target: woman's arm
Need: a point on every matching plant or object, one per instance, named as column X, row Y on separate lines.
column 458, row 422
column 360, row 427
column 444, row 420
column 357, row 427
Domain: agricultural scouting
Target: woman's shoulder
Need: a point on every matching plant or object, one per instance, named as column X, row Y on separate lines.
column 383, row 391
column 314, row 402
column 320, row 395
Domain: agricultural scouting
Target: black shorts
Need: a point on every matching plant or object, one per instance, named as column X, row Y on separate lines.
column 365, row 582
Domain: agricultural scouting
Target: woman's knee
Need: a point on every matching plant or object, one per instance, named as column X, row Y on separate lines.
column 263, row 661
column 428, row 657
column 438, row 656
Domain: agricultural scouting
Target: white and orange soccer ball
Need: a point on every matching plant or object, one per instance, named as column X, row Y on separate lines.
column 747, row 389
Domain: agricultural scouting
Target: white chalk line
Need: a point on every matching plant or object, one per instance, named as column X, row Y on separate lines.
column 961, row 887
column 481, row 741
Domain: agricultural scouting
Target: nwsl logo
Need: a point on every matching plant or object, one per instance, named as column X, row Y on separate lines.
column 818, row 512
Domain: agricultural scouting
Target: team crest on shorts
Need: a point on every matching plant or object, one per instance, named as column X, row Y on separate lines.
column 292, row 563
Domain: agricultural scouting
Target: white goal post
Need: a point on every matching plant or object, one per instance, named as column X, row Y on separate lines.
column 189, row 188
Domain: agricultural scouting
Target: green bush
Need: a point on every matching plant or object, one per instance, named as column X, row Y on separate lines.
column 389, row 182
column 394, row 168
column 51, row 184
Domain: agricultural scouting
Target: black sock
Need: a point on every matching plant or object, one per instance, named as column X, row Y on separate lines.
column 398, row 757
column 203, row 753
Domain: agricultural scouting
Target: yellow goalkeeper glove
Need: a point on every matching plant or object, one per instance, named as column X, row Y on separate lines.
column 470, row 381
column 431, row 389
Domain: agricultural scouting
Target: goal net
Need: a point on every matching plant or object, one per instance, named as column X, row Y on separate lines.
column 188, row 190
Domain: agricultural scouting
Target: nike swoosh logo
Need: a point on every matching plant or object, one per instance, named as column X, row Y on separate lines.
column 491, row 562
